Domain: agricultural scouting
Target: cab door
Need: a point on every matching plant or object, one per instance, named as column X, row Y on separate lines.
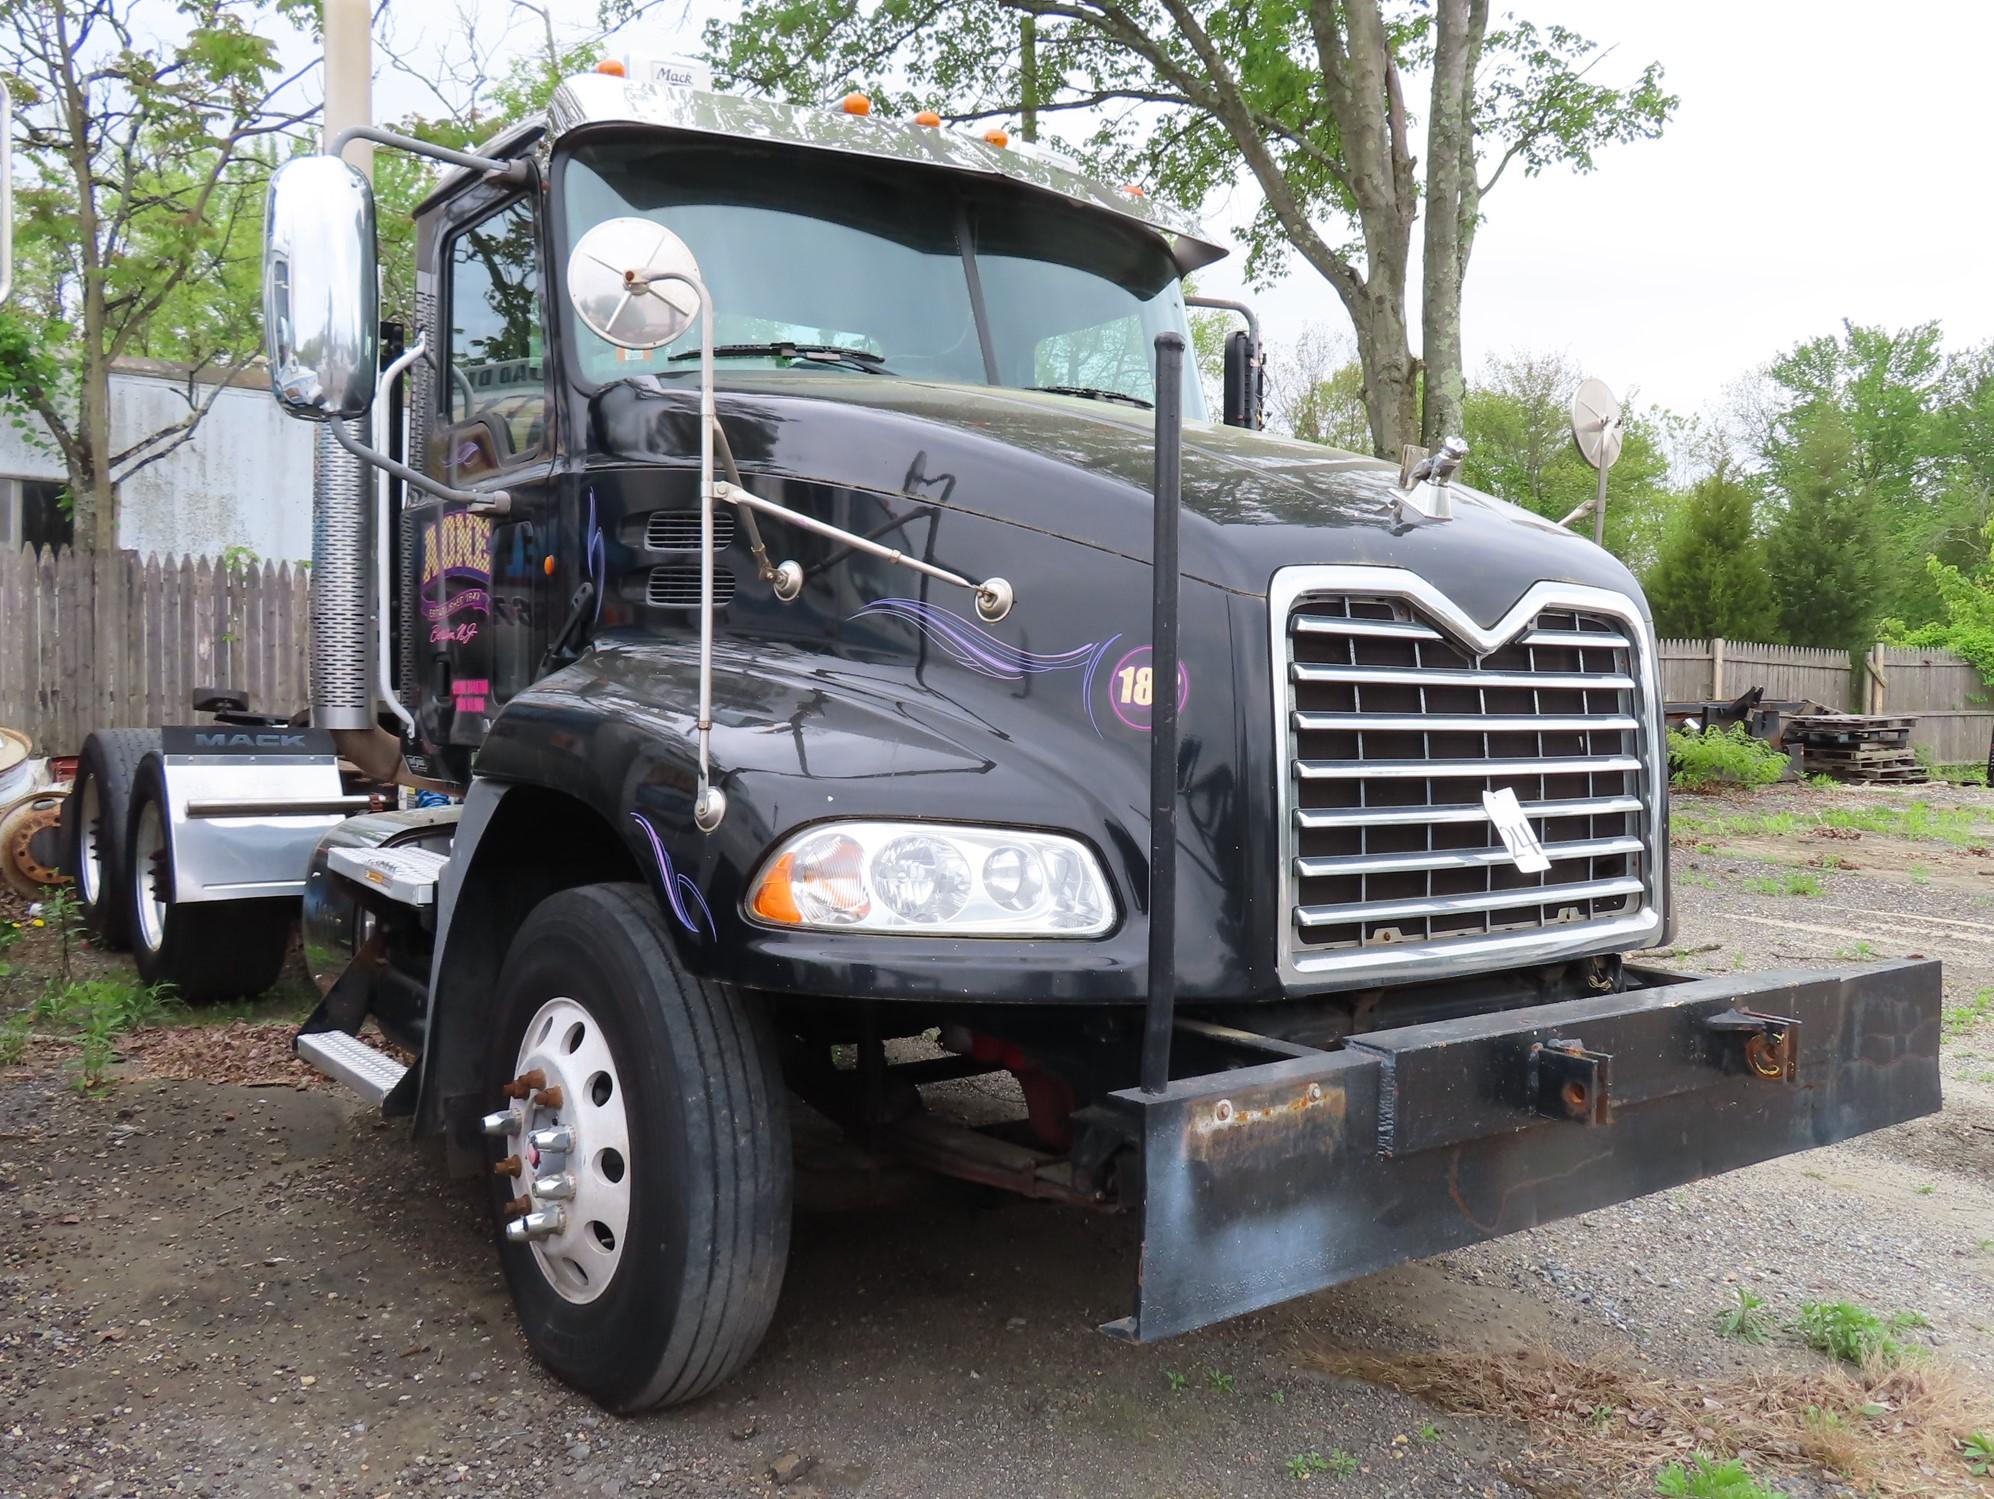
column 484, row 617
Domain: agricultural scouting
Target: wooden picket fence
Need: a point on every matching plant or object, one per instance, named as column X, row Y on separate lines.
column 105, row 640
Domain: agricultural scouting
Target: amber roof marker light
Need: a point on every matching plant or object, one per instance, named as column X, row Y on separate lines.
column 998, row 138
column 929, row 118
column 613, row 67
column 855, row 103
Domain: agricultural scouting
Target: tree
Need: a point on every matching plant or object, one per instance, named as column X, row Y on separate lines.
column 1822, row 550
column 141, row 169
column 1316, row 391
column 1304, row 97
column 1709, row 577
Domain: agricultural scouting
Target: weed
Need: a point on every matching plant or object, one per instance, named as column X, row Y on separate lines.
column 1717, row 756
column 60, row 911
column 1429, row 1432
column 1861, row 952
column 1927, row 1190
column 1342, row 1463
column 1279, row 1397
column 1966, row 773
column 14, row 1033
column 1747, row 1320
column 1822, row 782
column 1977, row 1448
column 1856, row 1335
column 1305, row 1465
column 1704, row 1479
column 1701, row 881
column 1959, row 1019
column 1220, row 1382
column 1792, row 882
column 1920, row 875
column 1829, row 861
column 10, row 933
column 1177, row 1381
column 1600, row 1415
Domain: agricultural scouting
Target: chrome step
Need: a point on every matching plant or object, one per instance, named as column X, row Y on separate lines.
column 407, row 875
column 349, row 1060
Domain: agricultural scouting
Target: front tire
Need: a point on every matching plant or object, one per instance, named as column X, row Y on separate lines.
column 663, row 1273
column 95, row 836
column 209, row 950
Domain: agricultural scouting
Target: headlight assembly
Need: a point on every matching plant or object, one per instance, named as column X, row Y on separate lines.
column 933, row 879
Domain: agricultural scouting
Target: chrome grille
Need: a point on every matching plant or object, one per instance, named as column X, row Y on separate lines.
column 678, row 531
column 1395, row 722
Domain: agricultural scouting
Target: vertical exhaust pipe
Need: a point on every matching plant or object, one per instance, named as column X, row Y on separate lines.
column 1160, row 1014
column 342, row 686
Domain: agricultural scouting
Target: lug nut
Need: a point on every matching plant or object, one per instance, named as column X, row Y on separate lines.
column 503, row 1123
column 560, row 1139
column 550, row 1098
column 540, row 1225
column 512, row 1165
column 555, row 1188
column 519, row 1207
column 525, row 1083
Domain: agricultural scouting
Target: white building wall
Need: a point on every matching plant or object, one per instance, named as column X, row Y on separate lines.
column 245, row 478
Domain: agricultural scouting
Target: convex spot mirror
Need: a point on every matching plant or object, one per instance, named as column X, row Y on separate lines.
column 321, row 289
column 623, row 278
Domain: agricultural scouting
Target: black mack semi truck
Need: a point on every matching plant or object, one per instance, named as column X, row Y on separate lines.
column 813, row 595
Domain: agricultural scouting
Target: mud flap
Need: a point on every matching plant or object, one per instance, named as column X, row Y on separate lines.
column 1273, row 1181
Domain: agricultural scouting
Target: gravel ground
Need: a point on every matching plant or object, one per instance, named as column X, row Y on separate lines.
column 227, row 1290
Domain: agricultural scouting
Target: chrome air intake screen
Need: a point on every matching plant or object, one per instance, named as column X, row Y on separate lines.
column 1397, row 715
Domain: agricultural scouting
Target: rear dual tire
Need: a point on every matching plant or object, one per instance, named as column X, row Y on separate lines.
column 680, row 1075
column 208, row 950
column 96, row 837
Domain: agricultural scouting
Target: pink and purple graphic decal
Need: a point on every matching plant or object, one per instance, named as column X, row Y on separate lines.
column 680, row 893
column 1131, row 685
column 1130, row 689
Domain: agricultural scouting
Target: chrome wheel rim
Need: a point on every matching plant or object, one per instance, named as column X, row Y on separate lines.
column 90, row 860
column 149, row 874
column 588, row 1185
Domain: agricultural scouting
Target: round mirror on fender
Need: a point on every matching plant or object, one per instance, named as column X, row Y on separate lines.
column 622, row 280
column 321, row 290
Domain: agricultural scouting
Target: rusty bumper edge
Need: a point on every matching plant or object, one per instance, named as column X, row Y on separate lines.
column 1270, row 1182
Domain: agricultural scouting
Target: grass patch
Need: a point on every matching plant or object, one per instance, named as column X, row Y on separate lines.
column 1963, row 773
column 1917, row 822
column 1856, row 1335
column 1722, row 757
column 1791, row 882
column 1926, row 1412
column 1959, row 1019
column 89, row 1015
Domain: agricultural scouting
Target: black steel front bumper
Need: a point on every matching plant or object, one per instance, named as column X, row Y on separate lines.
column 1279, row 1179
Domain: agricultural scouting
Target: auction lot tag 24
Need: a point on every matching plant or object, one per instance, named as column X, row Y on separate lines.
column 1506, row 812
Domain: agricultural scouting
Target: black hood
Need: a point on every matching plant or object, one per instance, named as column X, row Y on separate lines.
column 1081, row 470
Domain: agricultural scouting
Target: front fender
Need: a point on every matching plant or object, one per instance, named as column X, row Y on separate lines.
column 800, row 736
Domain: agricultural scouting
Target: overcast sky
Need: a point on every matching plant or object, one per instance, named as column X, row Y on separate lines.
column 1829, row 160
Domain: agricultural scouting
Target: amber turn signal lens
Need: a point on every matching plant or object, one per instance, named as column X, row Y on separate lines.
column 997, row 138
column 928, row 117
column 1134, row 190
column 856, row 104
column 547, row 566
column 612, row 67
column 776, row 899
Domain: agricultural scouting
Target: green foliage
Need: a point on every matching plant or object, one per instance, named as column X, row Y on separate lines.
column 14, row 1033
column 1176, row 1380
column 1822, row 549
column 1219, row 1381
column 1856, row 1335
column 1704, row 1478
column 1710, row 576
column 59, row 911
column 1977, row 1451
column 1306, row 1465
column 1722, row 756
column 1746, row 1319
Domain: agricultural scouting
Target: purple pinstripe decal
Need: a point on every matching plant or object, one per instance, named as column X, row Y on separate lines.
column 678, row 889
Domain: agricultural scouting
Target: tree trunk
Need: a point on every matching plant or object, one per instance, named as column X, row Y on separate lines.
column 93, row 497
column 1453, row 202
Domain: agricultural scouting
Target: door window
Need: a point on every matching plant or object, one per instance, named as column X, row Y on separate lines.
column 496, row 376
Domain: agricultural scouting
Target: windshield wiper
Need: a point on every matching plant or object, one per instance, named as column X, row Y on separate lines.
column 1095, row 393
column 837, row 354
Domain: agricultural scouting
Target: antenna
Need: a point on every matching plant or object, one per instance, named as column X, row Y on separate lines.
column 1599, row 430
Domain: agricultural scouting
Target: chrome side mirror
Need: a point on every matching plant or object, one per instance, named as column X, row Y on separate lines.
column 321, row 289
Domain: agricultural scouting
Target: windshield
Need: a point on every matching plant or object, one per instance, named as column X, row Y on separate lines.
column 867, row 257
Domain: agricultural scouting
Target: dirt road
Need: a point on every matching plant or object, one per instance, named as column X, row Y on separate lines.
column 226, row 1290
